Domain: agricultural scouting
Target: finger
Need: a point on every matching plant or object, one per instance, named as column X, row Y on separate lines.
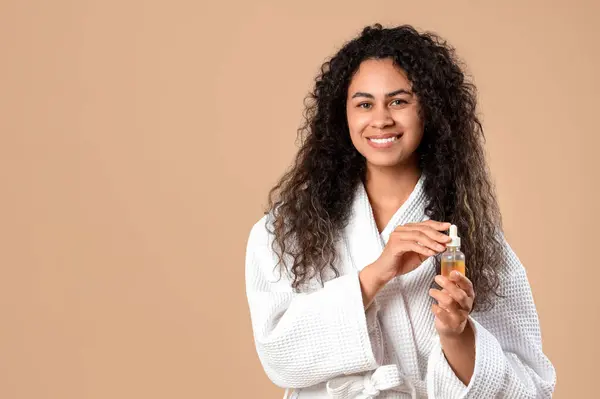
column 439, row 226
column 407, row 246
column 442, row 314
column 452, row 321
column 434, row 234
column 421, row 238
column 457, row 293
column 444, row 300
column 463, row 282
column 427, row 229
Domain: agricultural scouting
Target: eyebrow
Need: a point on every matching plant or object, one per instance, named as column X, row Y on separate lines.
column 392, row 94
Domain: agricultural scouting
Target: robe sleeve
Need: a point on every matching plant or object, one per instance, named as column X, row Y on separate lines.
column 509, row 361
column 303, row 339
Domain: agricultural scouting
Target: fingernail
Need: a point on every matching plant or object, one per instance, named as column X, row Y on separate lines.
column 456, row 273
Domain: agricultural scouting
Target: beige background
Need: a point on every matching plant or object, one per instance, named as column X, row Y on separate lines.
column 138, row 140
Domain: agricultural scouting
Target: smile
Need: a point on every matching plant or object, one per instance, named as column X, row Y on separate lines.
column 386, row 141
column 381, row 141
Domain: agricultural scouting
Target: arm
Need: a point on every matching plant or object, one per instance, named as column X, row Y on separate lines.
column 460, row 353
column 509, row 361
column 370, row 284
column 303, row 339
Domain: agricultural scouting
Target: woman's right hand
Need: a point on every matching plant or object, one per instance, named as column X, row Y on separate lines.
column 409, row 246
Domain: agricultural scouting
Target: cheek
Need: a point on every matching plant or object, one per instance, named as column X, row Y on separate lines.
column 413, row 125
column 356, row 123
column 414, row 138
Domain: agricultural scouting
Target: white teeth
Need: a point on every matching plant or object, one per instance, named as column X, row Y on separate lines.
column 383, row 141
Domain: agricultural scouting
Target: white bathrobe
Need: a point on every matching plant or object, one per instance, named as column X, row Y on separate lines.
column 323, row 344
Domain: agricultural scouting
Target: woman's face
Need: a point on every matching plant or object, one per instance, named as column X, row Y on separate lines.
column 383, row 114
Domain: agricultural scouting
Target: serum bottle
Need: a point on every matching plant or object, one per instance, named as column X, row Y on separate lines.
column 452, row 258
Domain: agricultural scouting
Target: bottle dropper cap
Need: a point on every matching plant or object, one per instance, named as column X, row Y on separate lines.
column 454, row 236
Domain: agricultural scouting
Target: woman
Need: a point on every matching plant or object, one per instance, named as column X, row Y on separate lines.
column 342, row 272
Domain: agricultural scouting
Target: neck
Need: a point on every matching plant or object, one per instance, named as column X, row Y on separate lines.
column 390, row 187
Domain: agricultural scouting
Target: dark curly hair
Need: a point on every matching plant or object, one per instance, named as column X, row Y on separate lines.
column 311, row 203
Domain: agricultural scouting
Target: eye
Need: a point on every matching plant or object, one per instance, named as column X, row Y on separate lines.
column 364, row 105
column 399, row 102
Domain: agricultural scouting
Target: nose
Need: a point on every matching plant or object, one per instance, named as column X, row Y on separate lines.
column 382, row 118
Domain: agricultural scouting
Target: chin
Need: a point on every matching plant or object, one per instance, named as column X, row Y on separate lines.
column 385, row 160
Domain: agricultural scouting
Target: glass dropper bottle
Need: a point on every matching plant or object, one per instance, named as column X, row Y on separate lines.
column 453, row 258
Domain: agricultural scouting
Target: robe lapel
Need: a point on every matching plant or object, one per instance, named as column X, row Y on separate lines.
column 365, row 244
column 411, row 211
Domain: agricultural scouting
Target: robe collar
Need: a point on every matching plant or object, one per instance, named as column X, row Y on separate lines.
column 364, row 242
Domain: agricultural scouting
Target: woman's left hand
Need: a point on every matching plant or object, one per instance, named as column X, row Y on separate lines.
column 455, row 302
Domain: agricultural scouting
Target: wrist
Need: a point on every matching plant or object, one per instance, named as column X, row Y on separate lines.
column 466, row 336
column 370, row 276
column 370, row 285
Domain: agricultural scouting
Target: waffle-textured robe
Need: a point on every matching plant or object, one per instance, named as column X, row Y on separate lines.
column 321, row 343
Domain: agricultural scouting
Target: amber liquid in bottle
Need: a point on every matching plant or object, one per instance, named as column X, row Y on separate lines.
column 453, row 258
column 449, row 265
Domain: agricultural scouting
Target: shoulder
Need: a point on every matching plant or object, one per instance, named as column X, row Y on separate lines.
column 512, row 274
column 511, row 263
column 264, row 267
column 260, row 234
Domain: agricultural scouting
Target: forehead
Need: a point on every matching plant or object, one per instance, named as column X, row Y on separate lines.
column 377, row 75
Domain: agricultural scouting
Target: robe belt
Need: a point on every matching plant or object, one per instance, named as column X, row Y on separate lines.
column 370, row 385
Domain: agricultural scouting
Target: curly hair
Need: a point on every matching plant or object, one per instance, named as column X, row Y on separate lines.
column 311, row 203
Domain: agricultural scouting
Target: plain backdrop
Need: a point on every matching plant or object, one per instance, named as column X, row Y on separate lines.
column 138, row 140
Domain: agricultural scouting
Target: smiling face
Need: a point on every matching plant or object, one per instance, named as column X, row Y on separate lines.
column 383, row 114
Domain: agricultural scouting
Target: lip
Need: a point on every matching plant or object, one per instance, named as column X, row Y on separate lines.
column 384, row 136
